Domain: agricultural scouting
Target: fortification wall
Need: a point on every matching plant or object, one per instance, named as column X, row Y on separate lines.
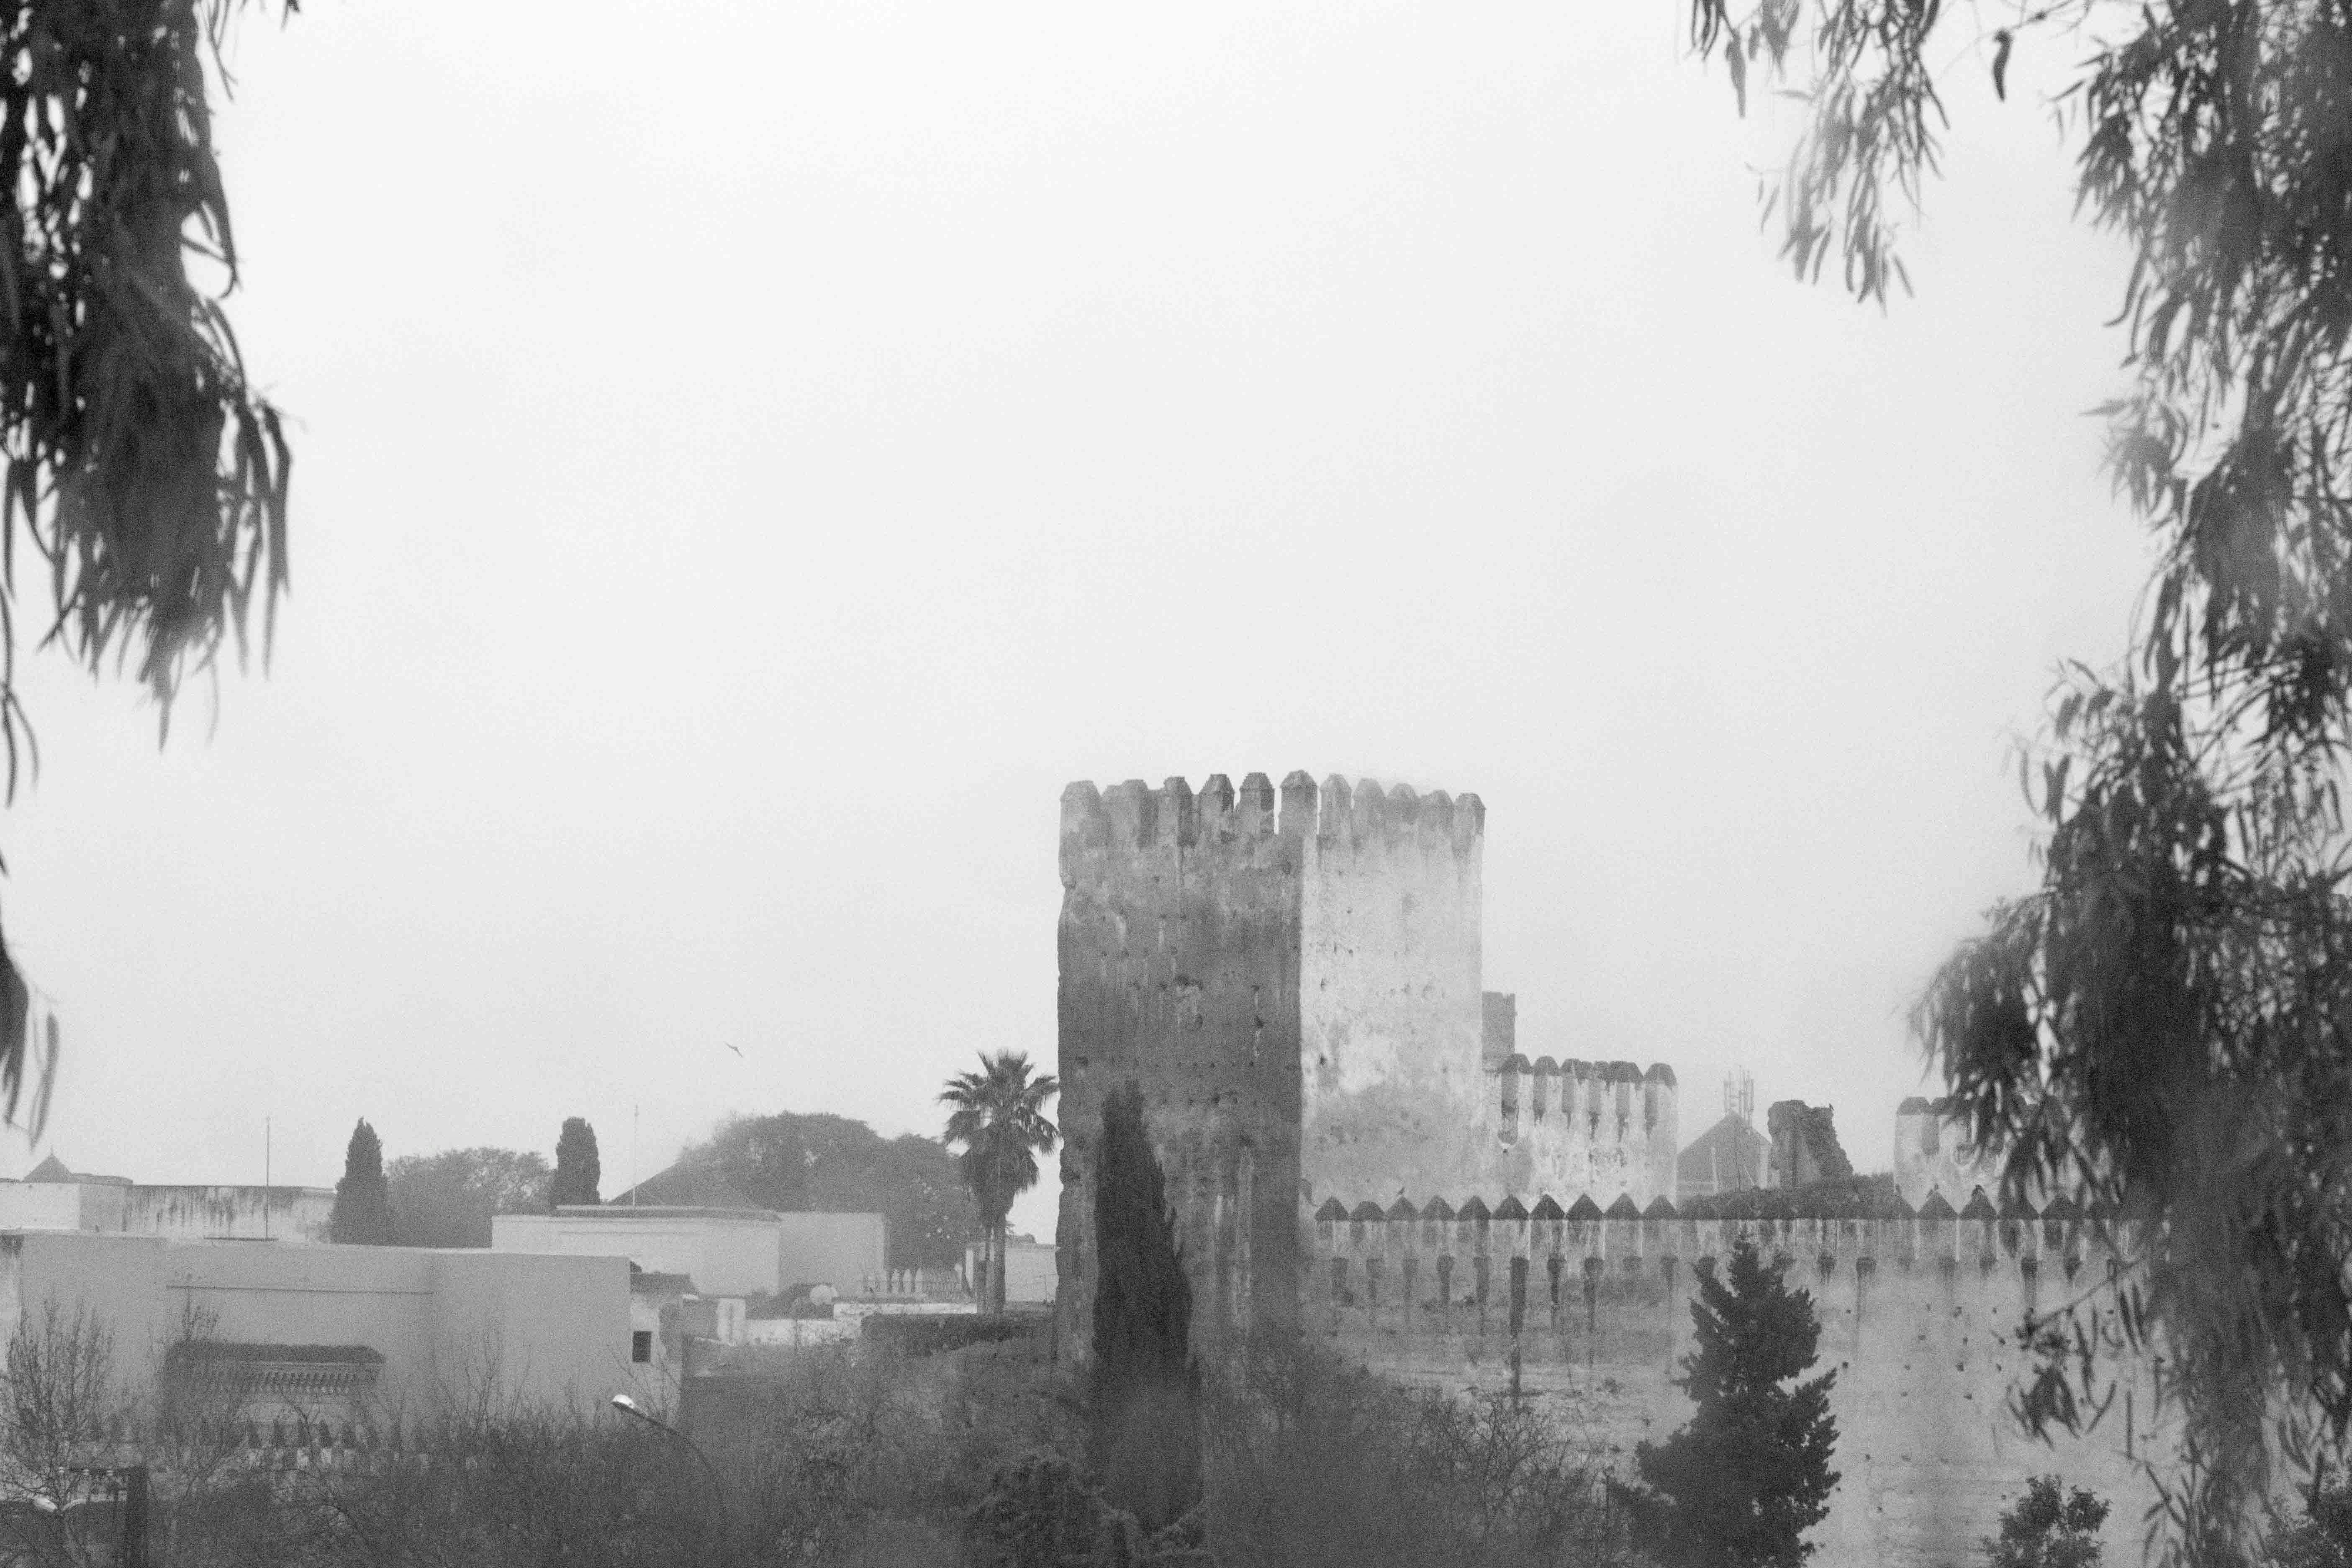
column 1391, row 1015
column 191, row 1213
column 1180, row 952
column 1932, row 1153
column 1607, row 1130
column 1919, row 1319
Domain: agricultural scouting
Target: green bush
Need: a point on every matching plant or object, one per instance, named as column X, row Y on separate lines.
column 929, row 1333
column 2047, row 1529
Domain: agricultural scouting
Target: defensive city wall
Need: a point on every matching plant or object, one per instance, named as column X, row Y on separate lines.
column 1292, row 979
column 1919, row 1319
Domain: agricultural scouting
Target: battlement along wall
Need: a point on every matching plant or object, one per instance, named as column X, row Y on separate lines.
column 1918, row 1319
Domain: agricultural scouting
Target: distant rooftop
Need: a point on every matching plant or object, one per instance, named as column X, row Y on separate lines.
column 54, row 1170
column 662, row 1211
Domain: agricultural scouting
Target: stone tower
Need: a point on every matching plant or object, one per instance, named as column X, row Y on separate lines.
column 1292, row 979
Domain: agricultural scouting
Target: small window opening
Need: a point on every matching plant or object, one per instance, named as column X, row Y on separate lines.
column 641, row 1345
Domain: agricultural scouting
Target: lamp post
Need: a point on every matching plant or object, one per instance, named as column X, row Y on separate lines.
column 628, row 1406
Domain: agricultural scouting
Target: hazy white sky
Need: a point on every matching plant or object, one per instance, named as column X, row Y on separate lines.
column 751, row 457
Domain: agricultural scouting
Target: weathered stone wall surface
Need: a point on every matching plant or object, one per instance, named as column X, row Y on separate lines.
column 1919, row 1320
column 191, row 1213
column 1603, row 1129
column 1292, row 979
column 1391, row 1017
column 1180, row 972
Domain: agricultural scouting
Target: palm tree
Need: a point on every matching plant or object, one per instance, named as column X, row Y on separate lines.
column 999, row 1118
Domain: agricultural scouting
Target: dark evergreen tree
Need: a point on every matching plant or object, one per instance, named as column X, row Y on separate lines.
column 1739, row 1485
column 1144, row 1430
column 362, row 1213
column 577, row 1170
column 2048, row 1528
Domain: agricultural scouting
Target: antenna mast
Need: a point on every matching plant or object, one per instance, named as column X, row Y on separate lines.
column 1739, row 1095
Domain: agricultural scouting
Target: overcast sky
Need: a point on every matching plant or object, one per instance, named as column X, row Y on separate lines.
column 751, row 457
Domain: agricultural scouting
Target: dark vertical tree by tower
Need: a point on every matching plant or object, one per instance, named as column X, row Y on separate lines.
column 362, row 1212
column 577, row 1168
column 1144, row 1388
column 1741, row 1483
column 999, row 1117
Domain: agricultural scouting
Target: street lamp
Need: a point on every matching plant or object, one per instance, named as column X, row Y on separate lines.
column 628, row 1406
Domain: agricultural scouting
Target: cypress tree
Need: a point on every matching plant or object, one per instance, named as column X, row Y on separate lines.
column 1739, row 1485
column 1145, row 1391
column 362, row 1212
column 577, row 1171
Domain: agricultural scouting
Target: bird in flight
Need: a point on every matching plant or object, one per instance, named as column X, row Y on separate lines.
column 738, row 1054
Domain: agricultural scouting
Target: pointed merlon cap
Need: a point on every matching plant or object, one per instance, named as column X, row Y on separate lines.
column 1332, row 1209
column 1178, row 820
column 1131, row 806
column 1936, row 1207
column 1404, row 806
column 1215, row 807
column 1331, row 820
column 1661, row 1208
column 1547, row 1207
column 1297, row 805
column 1437, row 1208
column 1401, row 1209
column 1365, row 1210
column 2015, row 1207
column 1659, row 1073
column 1916, row 1105
column 1584, row 1207
column 1085, row 828
column 1256, row 807
column 1475, row 1209
column 1434, row 820
column 1980, row 1206
column 1469, row 820
column 1511, row 1208
column 1625, row 1208
column 2062, row 1208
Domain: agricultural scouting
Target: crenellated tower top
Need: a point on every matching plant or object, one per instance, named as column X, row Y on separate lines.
column 1102, row 827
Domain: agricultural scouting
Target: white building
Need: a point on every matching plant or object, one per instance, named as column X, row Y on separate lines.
column 726, row 1251
column 52, row 1197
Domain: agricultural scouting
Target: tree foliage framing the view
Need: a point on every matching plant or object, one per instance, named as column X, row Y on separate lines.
column 147, row 476
column 2161, row 1028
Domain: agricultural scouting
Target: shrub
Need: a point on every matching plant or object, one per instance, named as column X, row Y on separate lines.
column 929, row 1333
column 2322, row 1537
column 1318, row 1465
column 2044, row 1529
